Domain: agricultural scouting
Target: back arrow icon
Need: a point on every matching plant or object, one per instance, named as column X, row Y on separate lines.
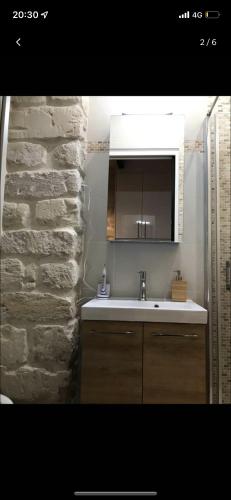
column 17, row 41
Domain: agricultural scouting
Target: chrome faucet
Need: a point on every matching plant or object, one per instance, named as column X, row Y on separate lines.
column 142, row 294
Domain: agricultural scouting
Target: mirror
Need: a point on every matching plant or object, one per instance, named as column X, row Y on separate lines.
column 143, row 198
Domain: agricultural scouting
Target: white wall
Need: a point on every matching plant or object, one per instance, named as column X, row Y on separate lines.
column 124, row 260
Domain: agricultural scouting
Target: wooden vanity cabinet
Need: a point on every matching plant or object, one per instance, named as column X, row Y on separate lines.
column 174, row 363
column 134, row 362
column 111, row 362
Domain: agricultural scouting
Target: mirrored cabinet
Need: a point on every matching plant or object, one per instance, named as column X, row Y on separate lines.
column 146, row 177
column 141, row 198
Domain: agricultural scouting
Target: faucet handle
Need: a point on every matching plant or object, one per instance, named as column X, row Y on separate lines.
column 142, row 273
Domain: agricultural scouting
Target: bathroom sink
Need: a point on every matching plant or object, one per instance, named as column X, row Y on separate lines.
column 153, row 310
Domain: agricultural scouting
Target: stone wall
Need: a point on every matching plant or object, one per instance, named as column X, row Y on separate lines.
column 41, row 248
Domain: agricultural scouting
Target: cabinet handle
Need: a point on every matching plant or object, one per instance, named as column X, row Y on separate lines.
column 189, row 335
column 228, row 275
column 128, row 332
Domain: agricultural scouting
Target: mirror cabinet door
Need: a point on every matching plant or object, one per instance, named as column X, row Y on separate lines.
column 158, row 199
column 141, row 199
column 128, row 200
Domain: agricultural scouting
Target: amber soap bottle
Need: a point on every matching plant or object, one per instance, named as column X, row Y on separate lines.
column 179, row 288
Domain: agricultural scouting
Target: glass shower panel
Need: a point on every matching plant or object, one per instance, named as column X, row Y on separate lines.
column 220, row 242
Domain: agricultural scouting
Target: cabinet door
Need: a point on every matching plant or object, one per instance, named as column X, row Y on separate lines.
column 174, row 363
column 158, row 199
column 111, row 366
column 128, row 201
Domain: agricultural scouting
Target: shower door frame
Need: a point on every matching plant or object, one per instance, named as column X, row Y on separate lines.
column 214, row 307
column 208, row 257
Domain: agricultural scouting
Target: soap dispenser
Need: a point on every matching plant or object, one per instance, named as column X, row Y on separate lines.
column 179, row 288
column 103, row 289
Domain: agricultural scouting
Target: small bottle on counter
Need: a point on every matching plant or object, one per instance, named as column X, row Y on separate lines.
column 179, row 288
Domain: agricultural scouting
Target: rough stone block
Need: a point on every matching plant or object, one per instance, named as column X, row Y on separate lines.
column 14, row 350
column 28, row 100
column 15, row 215
column 50, row 211
column 52, row 346
column 64, row 99
column 34, row 385
column 85, row 104
column 12, row 272
column 29, row 282
column 60, row 212
column 73, row 215
column 63, row 275
column 38, row 307
column 70, row 155
column 61, row 243
column 26, row 155
column 34, row 185
column 47, row 122
column 83, row 101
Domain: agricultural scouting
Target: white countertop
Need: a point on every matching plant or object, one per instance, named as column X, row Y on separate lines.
column 126, row 309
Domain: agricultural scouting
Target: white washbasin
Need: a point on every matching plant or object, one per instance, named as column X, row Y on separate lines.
column 125, row 309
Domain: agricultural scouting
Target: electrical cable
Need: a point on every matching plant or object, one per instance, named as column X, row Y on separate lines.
column 86, row 247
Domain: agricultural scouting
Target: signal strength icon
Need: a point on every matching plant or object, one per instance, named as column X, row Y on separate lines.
column 185, row 15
